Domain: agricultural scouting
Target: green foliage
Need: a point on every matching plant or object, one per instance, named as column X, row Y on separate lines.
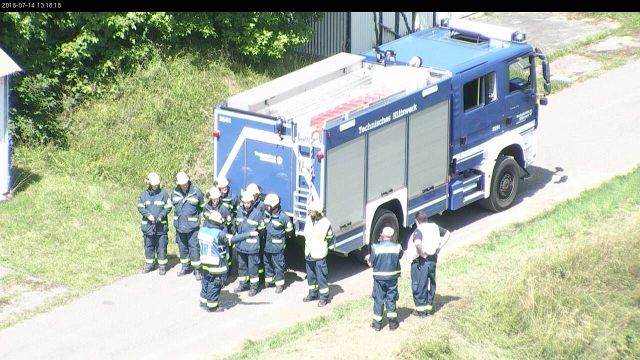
column 68, row 57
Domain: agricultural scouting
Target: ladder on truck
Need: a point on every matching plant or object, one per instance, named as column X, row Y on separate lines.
column 304, row 189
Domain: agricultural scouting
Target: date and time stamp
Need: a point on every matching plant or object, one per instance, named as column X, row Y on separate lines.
column 30, row 5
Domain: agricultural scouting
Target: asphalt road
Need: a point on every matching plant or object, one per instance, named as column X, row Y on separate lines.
column 588, row 133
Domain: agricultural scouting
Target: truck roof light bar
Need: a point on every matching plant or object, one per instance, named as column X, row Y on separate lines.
column 487, row 31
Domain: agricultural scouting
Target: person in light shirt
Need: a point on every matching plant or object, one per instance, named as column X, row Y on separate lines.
column 428, row 242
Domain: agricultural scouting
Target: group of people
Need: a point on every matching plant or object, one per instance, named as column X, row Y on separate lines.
column 254, row 226
column 258, row 229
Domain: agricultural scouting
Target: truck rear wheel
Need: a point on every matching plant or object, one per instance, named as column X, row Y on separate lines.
column 381, row 219
column 504, row 185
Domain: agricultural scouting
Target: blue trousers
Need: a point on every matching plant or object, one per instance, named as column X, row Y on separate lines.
column 155, row 245
column 385, row 292
column 274, row 268
column 317, row 274
column 248, row 270
column 211, row 287
column 423, row 283
column 188, row 248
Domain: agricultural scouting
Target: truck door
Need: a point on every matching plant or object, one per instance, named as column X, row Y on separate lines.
column 520, row 93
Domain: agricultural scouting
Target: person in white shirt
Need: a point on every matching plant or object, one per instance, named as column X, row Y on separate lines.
column 428, row 242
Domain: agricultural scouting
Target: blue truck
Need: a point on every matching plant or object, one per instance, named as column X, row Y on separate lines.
column 432, row 121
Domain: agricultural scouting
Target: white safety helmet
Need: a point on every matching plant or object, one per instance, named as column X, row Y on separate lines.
column 253, row 189
column 388, row 232
column 214, row 193
column 316, row 206
column 271, row 200
column 182, row 178
column 215, row 217
column 221, row 182
column 153, row 179
column 246, row 196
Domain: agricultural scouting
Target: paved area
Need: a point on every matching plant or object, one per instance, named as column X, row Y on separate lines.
column 148, row 316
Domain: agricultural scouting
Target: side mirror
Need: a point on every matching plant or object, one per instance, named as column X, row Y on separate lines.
column 543, row 100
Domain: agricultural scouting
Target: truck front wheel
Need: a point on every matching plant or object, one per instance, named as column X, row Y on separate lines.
column 504, row 184
column 381, row 219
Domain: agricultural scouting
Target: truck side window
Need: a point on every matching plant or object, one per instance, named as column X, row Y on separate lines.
column 479, row 91
column 519, row 75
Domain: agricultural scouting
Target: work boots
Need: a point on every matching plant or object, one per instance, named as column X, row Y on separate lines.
column 279, row 289
column 240, row 288
column 322, row 302
column 198, row 274
column 376, row 326
column 309, row 298
column 253, row 292
column 147, row 268
column 163, row 270
column 393, row 324
column 184, row 271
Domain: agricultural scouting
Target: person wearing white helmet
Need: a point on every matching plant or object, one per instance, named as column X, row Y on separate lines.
column 254, row 189
column 278, row 229
column 317, row 234
column 249, row 226
column 215, row 204
column 229, row 200
column 154, row 206
column 384, row 258
column 214, row 248
column 188, row 201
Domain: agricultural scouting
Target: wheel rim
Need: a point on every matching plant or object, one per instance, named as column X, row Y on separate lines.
column 505, row 188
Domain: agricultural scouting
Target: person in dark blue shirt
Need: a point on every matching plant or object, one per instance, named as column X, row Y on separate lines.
column 385, row 260
column 154, row 206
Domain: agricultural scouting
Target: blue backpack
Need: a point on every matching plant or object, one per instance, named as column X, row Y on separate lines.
column 209, row 250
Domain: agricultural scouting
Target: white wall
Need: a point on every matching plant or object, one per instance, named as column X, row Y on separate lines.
column 4, row 136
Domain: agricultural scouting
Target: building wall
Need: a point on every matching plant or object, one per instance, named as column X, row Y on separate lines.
column 5, row 162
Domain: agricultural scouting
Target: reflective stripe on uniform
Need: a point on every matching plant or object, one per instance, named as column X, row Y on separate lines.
column 377, row 317
column 313, row 287
column 149, row 261
column 195, row 262
column 254, row 280
column 392, row 315
column 192, row 218
column 140, row 205
column 421, row 308
column 386, row 249
column 203, row 300
column 158, row 202
column 144, row 222
column 163, row 261
column 212, row 304
column 386, row 273
column 279, row 282
column 276, row 241
column 324, row 291
column 252, row 240
column 215, row 270
column 184, row 261
column 268, row 279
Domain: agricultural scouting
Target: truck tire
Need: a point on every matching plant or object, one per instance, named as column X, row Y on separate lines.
column 504, row 184
column 381, row 219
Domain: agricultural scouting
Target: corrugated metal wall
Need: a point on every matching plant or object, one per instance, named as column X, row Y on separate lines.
column 330, row 35
column 356, row 32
